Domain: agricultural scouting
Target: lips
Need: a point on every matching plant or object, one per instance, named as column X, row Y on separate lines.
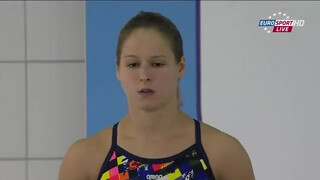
column 146, row 91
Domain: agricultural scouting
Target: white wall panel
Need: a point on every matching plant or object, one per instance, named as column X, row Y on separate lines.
column 56, row 94
column 56, row 30
column 12, row 110
column 12, row 170
column 11, row 31
column 264, row 88
column 52, row 116
column 44, row 169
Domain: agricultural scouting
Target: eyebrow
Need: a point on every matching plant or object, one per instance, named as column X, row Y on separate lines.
column 128, row 56
column 153, row 57
column 160, row 56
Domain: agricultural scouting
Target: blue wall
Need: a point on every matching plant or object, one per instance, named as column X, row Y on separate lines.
column 106, row 102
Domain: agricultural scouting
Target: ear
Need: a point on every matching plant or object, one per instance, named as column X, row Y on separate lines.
column 182, row 66
column 118, row 72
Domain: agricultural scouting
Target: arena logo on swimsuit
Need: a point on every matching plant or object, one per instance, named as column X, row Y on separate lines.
column 280, row 25
column 152, row 176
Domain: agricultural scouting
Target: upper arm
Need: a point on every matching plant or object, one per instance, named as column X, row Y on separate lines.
column 227, row 157
column 236, row 164
column 74, row 164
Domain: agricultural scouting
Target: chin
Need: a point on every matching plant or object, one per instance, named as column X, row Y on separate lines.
column 149, row 108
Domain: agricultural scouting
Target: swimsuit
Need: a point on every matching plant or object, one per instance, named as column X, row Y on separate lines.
column 191, row 163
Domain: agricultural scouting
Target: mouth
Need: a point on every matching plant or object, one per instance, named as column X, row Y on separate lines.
column 146, row 92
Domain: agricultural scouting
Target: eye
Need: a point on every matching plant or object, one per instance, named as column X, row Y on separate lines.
column 157, row 64
column 132, row 65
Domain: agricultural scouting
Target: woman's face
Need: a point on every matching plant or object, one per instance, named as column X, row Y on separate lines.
column 148, row 71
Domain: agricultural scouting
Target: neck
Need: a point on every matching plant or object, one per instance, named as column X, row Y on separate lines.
column 153, row 124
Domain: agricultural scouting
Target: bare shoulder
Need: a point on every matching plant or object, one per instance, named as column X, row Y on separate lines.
column 85, row 157
column 228, row 158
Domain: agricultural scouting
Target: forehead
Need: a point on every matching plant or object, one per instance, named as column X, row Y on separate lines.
column 146, row 41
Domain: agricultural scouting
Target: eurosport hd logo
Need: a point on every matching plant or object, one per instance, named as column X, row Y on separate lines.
column 280, row 23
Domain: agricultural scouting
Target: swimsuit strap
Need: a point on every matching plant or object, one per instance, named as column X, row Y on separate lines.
column 198, row 131
column 114, row 134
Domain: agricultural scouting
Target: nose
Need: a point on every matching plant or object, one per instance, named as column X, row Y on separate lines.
column 144, row 74
column 145, row 79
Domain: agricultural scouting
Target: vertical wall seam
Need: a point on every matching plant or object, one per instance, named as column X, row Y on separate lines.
column 85, row 72
column 26, row 87
column 198, row 60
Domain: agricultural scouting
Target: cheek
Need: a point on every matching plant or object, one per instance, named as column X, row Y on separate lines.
column 168, row 81
column 128, row 80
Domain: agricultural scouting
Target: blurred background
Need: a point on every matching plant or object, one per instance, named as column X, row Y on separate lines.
column 42, row 86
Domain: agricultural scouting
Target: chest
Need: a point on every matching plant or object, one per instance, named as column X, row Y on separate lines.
column 156, row 148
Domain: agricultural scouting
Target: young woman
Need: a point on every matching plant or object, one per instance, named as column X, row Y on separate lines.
column 155, row 140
